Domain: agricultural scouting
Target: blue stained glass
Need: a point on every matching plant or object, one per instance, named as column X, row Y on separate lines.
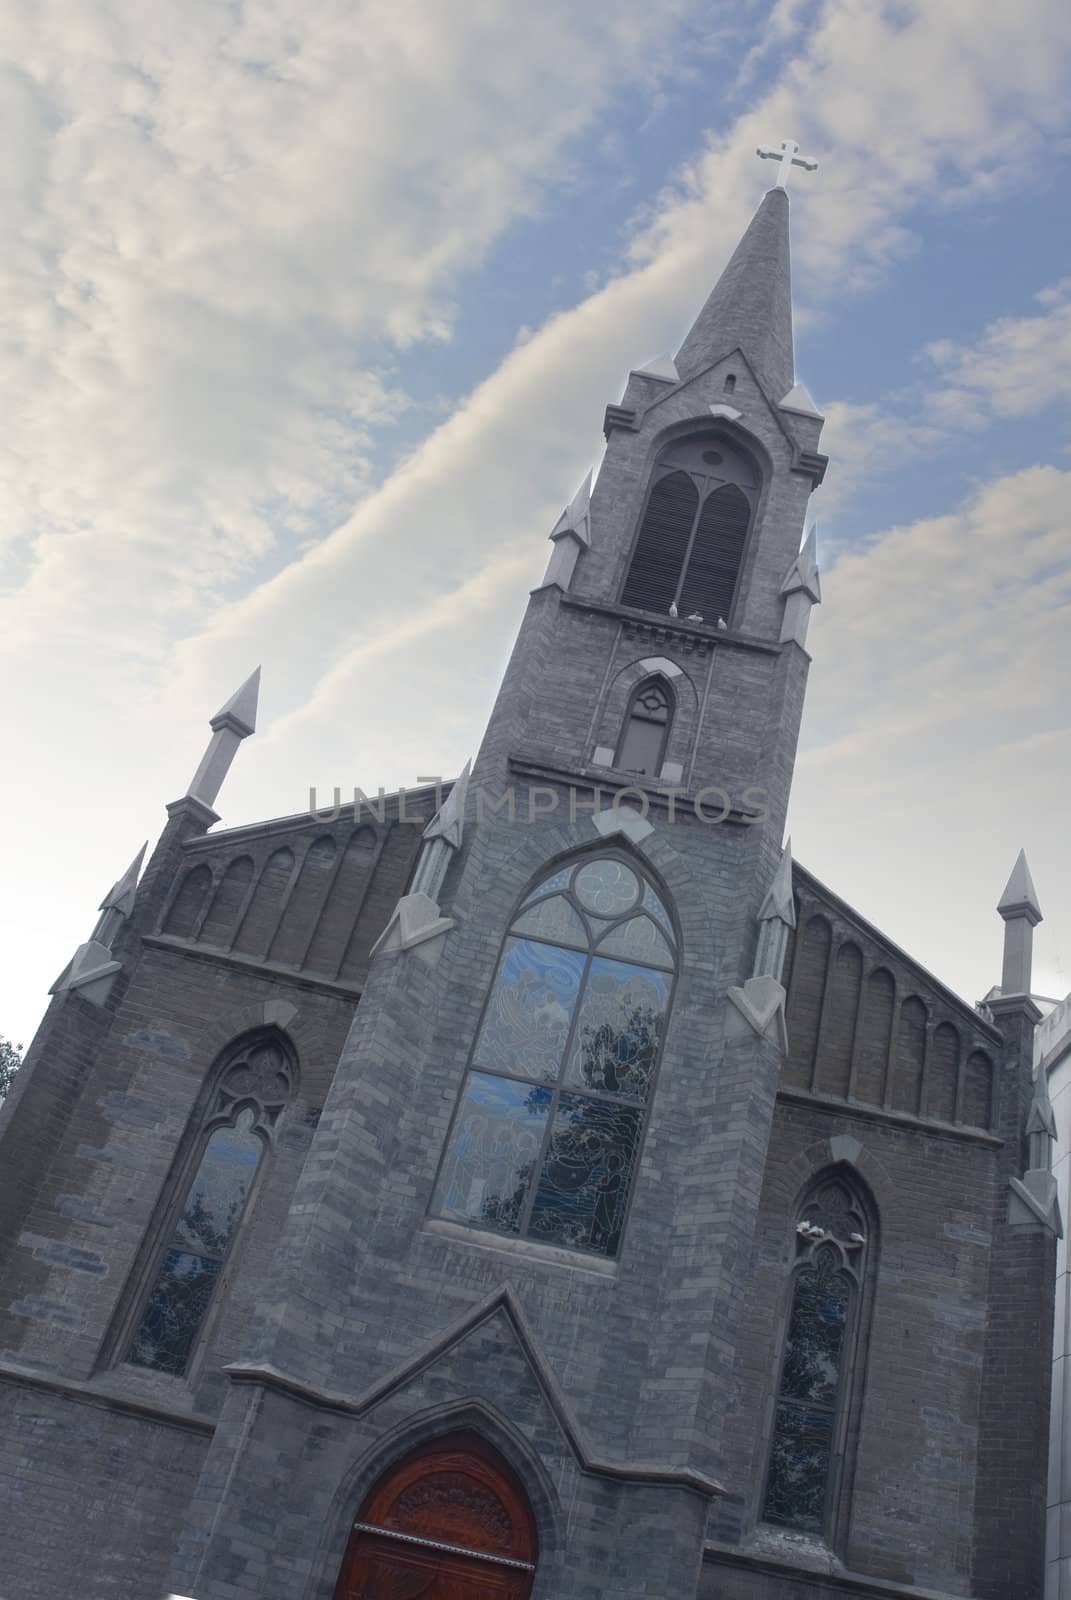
column 637, row 940
column 555, row 919
column 218, row 1193
column 548, row 886
column 799, row 1467
column 653, row 905
column 531, row 1006
column 619, row 1028
column 493, row 1151
column 801, row 1457
column 587, row 1174
column 175, row 1311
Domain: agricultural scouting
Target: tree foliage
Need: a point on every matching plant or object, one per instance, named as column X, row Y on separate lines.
column 10, row 1059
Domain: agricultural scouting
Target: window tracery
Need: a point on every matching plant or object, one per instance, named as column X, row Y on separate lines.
column 253, row 1088
column 546, row 1138
column 811, row 1414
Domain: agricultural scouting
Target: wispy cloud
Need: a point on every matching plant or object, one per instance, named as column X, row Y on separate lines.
column 225, row 226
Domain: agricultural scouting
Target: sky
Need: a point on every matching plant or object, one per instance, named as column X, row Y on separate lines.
column 308, row 317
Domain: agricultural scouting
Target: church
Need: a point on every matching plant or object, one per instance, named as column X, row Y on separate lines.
column 542, row 1187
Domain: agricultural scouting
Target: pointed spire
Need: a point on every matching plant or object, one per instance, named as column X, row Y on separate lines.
column 750, row 307
column 779, row 904
column 1020, row 898
column 1041, row 1117
column 663, row 367
column 802, row 590
column 803, row 573
column 1019, row 907
column 777, row 915
column 798, row 399
column 233, row 722
column 576, row 518
column 92, row 968
column 449, row 821
column 240, row 711
column 120, row 896
column 569, row 535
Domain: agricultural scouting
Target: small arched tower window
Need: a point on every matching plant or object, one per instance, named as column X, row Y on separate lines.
column 815, row 1417
column 546, row 1138
column 642, row 747
column 690, row 547
column 253, row 1087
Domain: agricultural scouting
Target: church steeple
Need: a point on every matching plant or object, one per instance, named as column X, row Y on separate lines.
column 750, row 306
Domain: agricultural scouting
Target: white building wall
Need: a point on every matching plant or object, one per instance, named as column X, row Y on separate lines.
column 1052, row 1053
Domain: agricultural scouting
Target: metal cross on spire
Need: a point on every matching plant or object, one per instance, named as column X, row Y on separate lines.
column 789, row 157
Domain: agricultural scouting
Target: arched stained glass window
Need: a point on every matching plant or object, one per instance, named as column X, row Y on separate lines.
column 253, row 1088
column 646, row 730
column 812, row 1413
column 690, row 546
column 546, row 1139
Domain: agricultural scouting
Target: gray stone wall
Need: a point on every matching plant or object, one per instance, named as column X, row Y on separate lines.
column 91, row 1495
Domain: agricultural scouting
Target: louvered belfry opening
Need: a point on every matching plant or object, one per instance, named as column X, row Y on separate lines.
column 691, row 542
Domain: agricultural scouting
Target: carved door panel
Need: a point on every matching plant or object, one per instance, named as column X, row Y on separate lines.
column 377, row 1574
column 450, row 1523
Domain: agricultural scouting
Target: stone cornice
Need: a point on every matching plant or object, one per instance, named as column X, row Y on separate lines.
column 849, row 1583
column 893, row 1119
column 610, row 782
column 687, row 636
column 89, row 1394
column 265, row 969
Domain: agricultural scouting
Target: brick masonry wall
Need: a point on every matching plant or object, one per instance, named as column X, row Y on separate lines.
column 72, row 1475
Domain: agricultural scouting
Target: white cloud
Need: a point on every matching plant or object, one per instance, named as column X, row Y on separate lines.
column 224, row 220
column 1018, row 367
column 936, row 739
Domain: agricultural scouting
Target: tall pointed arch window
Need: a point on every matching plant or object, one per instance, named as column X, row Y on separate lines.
column 814, row 1413
column 646, row 731
column 205, row 1215
column 690, row 546
column 546, row 1139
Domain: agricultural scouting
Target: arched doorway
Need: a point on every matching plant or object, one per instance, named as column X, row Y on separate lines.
column 450, row 1522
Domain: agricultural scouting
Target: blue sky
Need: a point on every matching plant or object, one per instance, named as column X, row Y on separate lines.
column 311, row 314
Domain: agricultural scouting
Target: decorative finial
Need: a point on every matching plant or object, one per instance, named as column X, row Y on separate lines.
column 232, row 723
column 92, row 968
column 789, row 157
column 1021, row 913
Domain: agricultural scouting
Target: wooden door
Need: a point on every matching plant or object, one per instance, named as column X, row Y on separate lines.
column 449, row 1523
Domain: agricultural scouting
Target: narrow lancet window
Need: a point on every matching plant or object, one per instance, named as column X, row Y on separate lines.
column 546, row 1139
column 690, row 547
column 254, row 1087
column 646, row 731
column 812, row 1415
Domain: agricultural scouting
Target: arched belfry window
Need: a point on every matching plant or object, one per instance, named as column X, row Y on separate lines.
column 204, row 1215
column 690, row 545
column 546, row 1138
column 646, row 730
column 814, row 1418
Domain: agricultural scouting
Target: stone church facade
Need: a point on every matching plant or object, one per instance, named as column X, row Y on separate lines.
column 546, row 1187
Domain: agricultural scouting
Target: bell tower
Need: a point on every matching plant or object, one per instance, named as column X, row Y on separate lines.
column 529, row 1204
